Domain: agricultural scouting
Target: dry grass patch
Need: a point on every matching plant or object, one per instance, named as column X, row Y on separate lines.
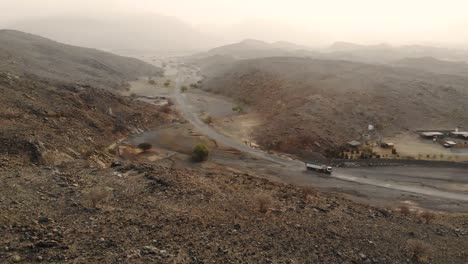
column 264, row 202
column 427, row 216
column 309, row 192
column 419, row 250
column 404, row 210
column 98, row 194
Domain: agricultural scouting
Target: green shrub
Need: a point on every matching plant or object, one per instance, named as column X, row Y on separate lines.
column 237, row 108
column 200, row 153
column 183, row 89
column 167, row 83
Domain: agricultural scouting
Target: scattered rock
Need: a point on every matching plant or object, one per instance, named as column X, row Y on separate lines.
column 149, row 250
column 43, row 220
column 16, row 258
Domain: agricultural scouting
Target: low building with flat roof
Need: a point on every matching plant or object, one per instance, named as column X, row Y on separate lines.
column 459, row 134
column 431, row 134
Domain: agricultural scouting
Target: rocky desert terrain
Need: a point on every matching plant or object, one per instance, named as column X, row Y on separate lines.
column 68, row 196
column 318, row 105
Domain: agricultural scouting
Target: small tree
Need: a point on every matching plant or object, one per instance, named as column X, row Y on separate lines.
column 167, row 83
column 145, row 146
column 200, row 153
column 183, row 89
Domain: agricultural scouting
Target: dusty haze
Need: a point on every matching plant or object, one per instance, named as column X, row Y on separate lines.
column 305, row 22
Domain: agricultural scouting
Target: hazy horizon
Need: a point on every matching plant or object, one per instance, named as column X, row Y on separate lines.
column 311, row 23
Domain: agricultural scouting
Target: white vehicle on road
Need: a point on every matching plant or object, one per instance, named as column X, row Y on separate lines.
column 318, row 167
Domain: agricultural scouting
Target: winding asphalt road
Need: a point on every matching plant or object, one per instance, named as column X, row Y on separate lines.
column 190, row 114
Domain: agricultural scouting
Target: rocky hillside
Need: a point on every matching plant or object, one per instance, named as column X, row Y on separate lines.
column 52, row 122
column 22, row 53
column 151, row 213
column 61, row 202
column 318, row 104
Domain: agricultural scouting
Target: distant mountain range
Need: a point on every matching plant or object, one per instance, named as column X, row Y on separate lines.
column 430, row 59
column 387, row 53
column 251, row 48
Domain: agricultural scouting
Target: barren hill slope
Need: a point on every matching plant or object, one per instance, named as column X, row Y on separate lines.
column 26, row 53
column 317, row 104
column 54, row 122
column 59, row 204
column 149, row 212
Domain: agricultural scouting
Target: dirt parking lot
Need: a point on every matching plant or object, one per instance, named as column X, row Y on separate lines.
column 412, row 145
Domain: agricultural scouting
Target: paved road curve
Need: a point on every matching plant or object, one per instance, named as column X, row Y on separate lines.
column 295, row 165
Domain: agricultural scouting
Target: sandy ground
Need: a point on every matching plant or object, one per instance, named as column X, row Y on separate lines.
column 225, row 120
column 410, row 144
column 143, row 88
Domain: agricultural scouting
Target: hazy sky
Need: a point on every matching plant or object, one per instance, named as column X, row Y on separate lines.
column 366, row 21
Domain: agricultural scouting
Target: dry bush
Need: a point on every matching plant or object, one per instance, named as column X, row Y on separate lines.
column 404, row 210
column 308, row 192
column 170, row 102
column 166, row 109
column 427, row 216
column 207, row 119
column 98, row 194
column 419, row 250
column 264, row 202
column 56, row 158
